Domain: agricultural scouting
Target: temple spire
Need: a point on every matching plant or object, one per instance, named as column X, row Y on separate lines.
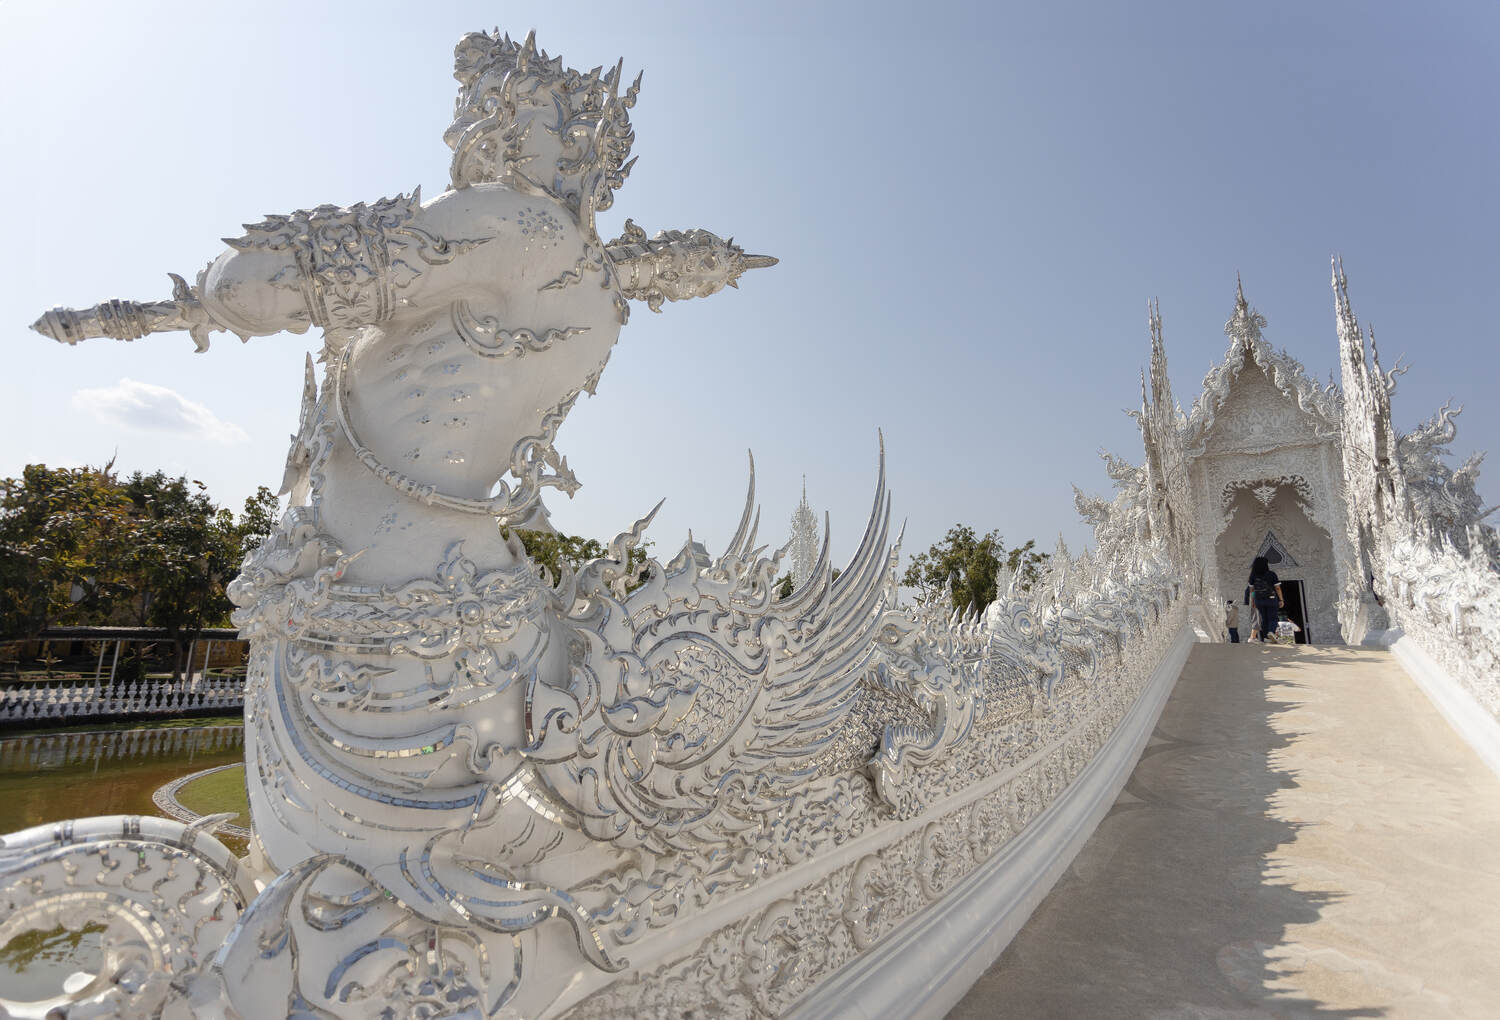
column 1161, row 385
column 804, row 540
column 1244, row 326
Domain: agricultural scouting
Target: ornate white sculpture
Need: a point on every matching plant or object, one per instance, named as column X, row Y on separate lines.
column 477, row 789
column 1369, row 510
column 1428, row 557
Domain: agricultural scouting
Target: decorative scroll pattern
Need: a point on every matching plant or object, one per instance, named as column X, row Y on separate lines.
column 1301, row 468
column 350, row 263
column 1321, row 405
column 164, row 894
column 762, row 963
column 676, row 265
column 488, row 339
column 1264, row 491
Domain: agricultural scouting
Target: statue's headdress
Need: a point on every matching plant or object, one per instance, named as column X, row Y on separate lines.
column 591, row 122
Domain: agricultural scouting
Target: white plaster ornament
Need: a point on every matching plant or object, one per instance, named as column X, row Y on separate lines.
column 479, row 790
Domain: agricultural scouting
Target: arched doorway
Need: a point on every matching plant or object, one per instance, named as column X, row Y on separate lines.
column 1270, row 519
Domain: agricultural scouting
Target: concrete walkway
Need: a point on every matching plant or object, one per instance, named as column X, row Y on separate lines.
column 1304, row 836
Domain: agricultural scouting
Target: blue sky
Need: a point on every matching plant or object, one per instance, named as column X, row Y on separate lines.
column 972, row 204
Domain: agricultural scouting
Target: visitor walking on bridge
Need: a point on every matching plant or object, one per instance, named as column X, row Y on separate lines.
column 1266, row 587
column 1232, row 622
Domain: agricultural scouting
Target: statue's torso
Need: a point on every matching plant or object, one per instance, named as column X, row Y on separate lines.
column 441, row 392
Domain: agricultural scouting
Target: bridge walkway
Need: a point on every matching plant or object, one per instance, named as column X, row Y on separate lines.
column 1304, row 836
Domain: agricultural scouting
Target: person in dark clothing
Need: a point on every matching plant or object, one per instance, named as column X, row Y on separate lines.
column 1266, row 588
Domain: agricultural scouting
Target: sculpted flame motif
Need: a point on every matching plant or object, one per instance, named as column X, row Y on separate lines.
column 452, row 757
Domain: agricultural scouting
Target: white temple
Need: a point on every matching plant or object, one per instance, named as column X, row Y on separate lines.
column 1259, row 458
column 1268, row 463
column 479, row 790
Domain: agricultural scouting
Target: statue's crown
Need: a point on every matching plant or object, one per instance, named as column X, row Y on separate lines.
column 592, row 115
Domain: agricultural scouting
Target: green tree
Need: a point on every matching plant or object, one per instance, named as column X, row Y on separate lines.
column 552, row 549
column 786, row 584
column 79, row 546
column 1026, row 562
column 972, row 563
column 184, row 549
column 63, row 535
column 258, row 520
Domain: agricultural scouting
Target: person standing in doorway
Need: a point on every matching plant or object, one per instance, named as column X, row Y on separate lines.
column 1232, row 622
column 1266, row 587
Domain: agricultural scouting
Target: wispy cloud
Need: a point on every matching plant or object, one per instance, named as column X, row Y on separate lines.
column 140, row 405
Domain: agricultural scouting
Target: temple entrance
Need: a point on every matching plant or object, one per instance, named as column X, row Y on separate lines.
column 1269, row 520
column 1294, row 608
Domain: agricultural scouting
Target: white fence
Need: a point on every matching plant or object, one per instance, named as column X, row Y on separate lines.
column 67, row 700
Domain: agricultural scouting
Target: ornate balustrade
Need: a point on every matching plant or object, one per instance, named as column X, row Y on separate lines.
column 1445, row 607
column 893, row 913
column 53, row 703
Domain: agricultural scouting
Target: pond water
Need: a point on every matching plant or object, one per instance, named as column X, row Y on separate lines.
column 57, row 775
column 54, row 776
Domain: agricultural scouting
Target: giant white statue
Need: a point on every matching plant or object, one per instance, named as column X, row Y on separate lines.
column 480, row 790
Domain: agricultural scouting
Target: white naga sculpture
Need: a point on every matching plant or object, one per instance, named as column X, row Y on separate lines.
column 480, row 790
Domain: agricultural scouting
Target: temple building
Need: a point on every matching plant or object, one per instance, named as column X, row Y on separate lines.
column 1269, row 463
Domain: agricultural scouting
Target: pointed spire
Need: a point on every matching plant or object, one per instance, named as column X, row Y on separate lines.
column 1244, row 326
column 1161, row 385
column 803, row 542
column 1351, row 340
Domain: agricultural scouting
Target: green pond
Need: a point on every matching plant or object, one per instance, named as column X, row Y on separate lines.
column 55, row 775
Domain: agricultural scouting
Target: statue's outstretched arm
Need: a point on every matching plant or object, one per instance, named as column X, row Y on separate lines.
column 676, row 265
column 131, row 320
column 329, row 267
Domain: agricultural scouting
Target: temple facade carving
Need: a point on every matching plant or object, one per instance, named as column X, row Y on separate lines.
column 1311, row 476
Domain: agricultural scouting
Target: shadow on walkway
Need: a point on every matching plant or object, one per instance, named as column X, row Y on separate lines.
column 1250, row 867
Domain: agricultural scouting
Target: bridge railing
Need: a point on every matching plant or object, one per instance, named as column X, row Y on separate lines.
column 61, row 701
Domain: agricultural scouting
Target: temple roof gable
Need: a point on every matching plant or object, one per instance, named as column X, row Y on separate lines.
column 1320, row 407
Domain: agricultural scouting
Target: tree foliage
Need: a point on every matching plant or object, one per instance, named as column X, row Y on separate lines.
column 63, row 532
column 81, row 546
column 787, row 583
column 553, row 550
column 973, row 564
